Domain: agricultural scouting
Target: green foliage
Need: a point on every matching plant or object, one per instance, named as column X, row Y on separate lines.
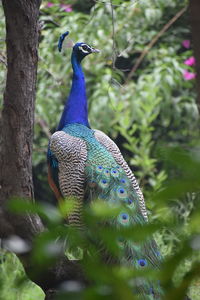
column 13, row 283
column 158, row 105
column 179, row 267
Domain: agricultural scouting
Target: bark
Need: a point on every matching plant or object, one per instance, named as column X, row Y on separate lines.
column 194, row 11
column 16, row 135
column 18, row 113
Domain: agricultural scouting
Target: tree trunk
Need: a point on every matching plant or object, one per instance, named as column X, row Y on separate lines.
column 16, row 135
column 18, row 112
column 194, row 10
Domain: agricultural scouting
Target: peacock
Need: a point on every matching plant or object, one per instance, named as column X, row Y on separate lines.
column 86, row 164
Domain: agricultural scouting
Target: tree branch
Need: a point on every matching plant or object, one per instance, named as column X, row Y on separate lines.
column 153, row 41
column 3, row 59
column 44, row 127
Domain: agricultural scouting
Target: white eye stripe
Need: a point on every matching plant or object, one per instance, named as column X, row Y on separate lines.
column 84, row 50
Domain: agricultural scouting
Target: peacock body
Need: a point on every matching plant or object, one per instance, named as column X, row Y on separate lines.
column 87, row 164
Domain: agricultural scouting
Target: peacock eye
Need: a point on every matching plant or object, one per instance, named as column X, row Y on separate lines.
column 85, row 47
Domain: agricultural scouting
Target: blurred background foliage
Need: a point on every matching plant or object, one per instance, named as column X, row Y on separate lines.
column 152, row 116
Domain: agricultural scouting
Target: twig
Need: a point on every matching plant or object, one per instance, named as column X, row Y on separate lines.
column 92, row 16
column 3, row 59
column 44, row 127
column 57, row 81
column 42, row 13
column 114, row 54
column 117, row 5
column 153, row 41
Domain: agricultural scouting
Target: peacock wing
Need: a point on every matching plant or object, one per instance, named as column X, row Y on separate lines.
column 53, row 174
column 71, row 154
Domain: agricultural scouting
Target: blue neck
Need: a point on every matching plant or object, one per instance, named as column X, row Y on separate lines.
column 75, row 110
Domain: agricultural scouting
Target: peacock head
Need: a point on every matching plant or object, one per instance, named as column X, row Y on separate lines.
column 81, row 50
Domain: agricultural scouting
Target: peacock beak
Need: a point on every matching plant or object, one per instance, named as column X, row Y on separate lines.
column 95, row 50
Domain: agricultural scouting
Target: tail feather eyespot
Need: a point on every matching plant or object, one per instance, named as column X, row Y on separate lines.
column 121, row 192
column 123, row 218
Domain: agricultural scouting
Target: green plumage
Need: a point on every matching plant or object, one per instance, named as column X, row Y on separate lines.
column 107, row 181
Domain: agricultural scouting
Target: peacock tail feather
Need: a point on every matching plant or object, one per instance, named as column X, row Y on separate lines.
column 107, row 181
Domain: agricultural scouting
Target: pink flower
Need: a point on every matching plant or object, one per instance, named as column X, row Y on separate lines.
column 50, row 4
column 66, row 7
column 188, row 75
column 190, row 61
column 186, row 44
